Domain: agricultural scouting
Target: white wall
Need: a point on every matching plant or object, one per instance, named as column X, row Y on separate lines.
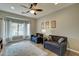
column 67, row 24
column 33, row 26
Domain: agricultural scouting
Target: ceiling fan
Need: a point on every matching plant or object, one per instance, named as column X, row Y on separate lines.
column 32, row 9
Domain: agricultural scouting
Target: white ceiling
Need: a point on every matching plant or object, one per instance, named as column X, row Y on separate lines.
column 47, row 8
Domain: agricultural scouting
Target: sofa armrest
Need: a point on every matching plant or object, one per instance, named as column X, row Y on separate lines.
column 63, row 44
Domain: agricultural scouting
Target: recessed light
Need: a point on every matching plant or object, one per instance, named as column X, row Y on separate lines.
column 55, row 3
column 12, row 7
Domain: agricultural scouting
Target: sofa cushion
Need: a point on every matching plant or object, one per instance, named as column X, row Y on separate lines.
column 55, row 38
column 52, row 43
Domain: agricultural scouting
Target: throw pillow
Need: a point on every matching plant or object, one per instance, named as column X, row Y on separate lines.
column 55, row 39
column 60, row 40
column 49, row 38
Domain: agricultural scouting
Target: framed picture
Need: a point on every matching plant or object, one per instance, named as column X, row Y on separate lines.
column 42, row 25
column 53, row 24
column 47, row 24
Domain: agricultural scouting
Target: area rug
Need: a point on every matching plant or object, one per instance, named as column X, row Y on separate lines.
column 24, row 48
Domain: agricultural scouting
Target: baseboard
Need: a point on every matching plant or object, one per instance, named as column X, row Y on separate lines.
column 73, row 50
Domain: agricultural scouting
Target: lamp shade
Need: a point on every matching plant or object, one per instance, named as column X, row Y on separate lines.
column 32, row 11
column 43, row 30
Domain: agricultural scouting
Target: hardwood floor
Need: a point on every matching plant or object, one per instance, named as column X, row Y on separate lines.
column 68, row 53
column 71, row 53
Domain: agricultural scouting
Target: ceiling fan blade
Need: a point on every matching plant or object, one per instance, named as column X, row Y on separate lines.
column 24, row 6
column 31, row 6
column 37, row 9
column 27, row 11
column 35, row 13
column 34, row 4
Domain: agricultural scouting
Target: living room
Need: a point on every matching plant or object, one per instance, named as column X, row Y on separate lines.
column 59, row 20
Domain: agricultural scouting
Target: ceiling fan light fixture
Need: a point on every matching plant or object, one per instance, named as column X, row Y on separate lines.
column 32, row 11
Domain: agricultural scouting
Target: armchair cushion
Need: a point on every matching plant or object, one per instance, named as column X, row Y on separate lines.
column 38, row 38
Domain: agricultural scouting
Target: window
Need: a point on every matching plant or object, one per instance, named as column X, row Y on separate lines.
column 16, row 28
column 21, row 29
column 13, row 29
column 28, row 29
